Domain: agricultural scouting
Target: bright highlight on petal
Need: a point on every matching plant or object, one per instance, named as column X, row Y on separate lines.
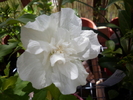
column 54, row 46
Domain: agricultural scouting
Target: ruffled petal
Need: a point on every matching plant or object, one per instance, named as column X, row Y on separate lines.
column 67, row 85
column 68, row 20
column 57, row 58
column 68, row 69
column 41, row 29
column 93, row 49
column 31, row 69
column 62, row 34
column 80, row 43
column 36, row 47
column 82, row 73
column 41, row 23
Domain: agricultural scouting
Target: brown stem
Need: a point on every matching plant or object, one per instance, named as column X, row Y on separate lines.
column 60, row 3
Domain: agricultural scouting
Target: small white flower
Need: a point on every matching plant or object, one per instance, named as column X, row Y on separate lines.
column 55, row 45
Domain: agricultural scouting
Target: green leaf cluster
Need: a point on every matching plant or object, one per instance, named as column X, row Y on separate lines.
column 110, row 51
column 119, row 52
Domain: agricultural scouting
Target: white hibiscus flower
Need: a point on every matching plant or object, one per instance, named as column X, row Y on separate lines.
column 55, row 46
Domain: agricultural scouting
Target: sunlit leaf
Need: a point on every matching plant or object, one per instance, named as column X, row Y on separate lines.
column 9, row 82
column 54, row 91
column 22, row 19
column 49, row 96
column 112, row 2
column 6, row 70
column 26, row 18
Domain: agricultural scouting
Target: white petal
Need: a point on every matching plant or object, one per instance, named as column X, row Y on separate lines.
column 30, row 69
column 28, row 34
column 67, row 85
column 82, row 73
column 62, row 34
column 80, row 43
column 69, row 70
column 57, row 58
column 69, row 21
column 93, row 48
column 36, row 47
column 41, row 29
column 41, row 23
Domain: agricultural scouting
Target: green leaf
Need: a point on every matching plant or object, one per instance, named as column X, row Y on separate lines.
column 112, row 25
column 128, row 7
column 19, row 86
column 112, row 2
column 117, row 6
column 124, row 44
column 22, row 19
column 6, row 49
column 89, row 98
column 112, row 94
column 49, row 96
column 1, row 96
column 130, row 69
column 107, row 53
column 26, row 18
column 54, row 91
column 110, row 44
column 29, row 88
column 130, row 2
column 6, row 71
column 9, row 82
column 118, row 51
column 68, row 97
column 2, row 33
column 124, row 21
column 2, row 79
column 8, row 94
column 41, row 95
column 108, row 62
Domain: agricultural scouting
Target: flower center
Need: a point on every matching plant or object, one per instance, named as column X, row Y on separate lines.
column 59, row 49
column 61, row 52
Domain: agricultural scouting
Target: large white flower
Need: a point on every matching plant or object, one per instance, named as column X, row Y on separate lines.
column 55, row 46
